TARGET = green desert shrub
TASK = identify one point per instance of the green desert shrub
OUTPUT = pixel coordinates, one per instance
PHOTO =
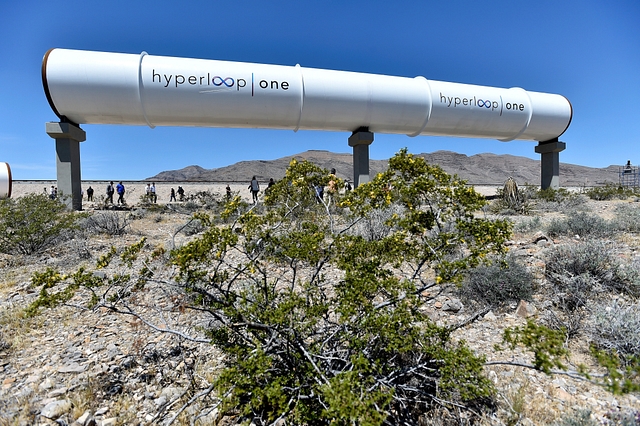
(34, 223)
(610, 192)
(498, 283)
(582, 224)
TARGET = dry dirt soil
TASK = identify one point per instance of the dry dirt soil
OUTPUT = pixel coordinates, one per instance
(71, 364)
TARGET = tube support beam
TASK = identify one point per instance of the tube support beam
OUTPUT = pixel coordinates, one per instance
(550, 162)
(360, 141)
(68, 138)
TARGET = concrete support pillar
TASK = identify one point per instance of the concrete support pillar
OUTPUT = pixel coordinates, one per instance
(68, 137)
(360, 141)
(550, 163)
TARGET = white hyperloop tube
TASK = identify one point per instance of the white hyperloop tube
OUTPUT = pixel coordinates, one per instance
(5, 181)
(87, 87)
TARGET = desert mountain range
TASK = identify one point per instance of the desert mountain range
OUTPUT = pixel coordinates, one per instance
(479, 169)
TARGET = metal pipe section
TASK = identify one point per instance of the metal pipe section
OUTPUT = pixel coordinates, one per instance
(5, 181)
(117, 88)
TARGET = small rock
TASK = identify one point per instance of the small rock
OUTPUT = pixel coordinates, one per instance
(490, 316)
(34, 378)
(452, 305)
(538, 237)
(47, 384)
(525, 309)
(543, 243)
(57, 392)
(74, 367)
(85, 419)
(102, 411)
(55, 409)
(493, 376)
(171, 392)
(563, 394)
(109, 422)
(113, 351)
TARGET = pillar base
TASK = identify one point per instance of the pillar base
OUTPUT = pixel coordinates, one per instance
(360, 141)
(550, 162)
(68, 138)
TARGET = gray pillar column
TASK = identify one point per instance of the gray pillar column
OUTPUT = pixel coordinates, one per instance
(68, 137)
(550, 163)
(360, 141)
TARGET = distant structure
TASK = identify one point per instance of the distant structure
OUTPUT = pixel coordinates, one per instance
(629, 175)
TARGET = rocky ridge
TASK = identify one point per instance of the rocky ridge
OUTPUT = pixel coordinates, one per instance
(479, 169)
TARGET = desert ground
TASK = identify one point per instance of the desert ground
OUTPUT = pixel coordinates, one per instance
(136, 189)
(76, 366)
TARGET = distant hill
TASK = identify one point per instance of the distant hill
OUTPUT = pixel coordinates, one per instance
(479, 169)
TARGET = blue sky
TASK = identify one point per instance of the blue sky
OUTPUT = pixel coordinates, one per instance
(588, 51)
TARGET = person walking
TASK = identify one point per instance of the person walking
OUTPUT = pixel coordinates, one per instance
(228, 189)
(254, 187)
(152, 193)
(120, 189)
(90, 194)
(110, 192)
(173, 195)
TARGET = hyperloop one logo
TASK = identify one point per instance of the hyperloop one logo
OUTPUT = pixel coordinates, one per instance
(485, 104)
(212, 83)
(228, 81)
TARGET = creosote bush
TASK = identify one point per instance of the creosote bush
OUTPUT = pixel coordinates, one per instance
(610, 192)
(34, 223)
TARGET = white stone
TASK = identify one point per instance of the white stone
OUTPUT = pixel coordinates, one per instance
(55, 409)
(82, 420)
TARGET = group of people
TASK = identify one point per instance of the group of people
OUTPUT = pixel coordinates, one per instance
(53, 192)
(318, 188)
(151, 192)
(254, 188)
(111, 190)
(172, 196)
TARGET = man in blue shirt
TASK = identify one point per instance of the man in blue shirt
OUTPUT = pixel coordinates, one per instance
(120, 191)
